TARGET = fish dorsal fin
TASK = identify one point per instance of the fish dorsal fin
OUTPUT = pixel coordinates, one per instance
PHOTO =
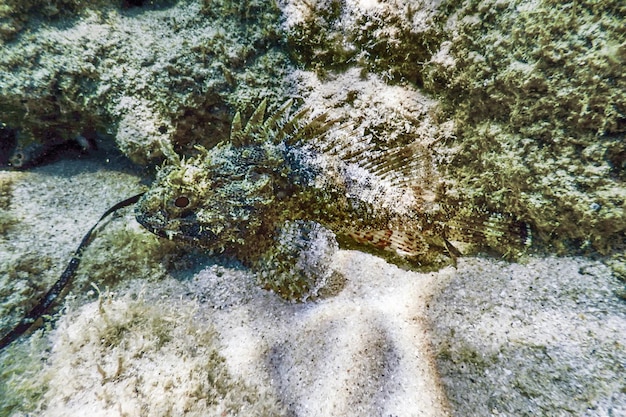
(291, 126)
(277, 120)
(312, 130)
(405, 166)
(254, 130)
(280, 126)
(255, 123)
(236, 130)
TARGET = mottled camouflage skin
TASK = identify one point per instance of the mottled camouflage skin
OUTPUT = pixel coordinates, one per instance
(263, 195)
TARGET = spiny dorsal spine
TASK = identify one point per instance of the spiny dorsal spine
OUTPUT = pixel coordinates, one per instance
(281, 126)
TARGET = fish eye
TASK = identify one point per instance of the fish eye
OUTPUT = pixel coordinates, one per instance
(181, 202)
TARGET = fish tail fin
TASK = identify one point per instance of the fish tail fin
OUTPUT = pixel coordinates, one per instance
(499, 232)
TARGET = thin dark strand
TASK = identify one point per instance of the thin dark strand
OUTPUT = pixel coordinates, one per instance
(51, 296)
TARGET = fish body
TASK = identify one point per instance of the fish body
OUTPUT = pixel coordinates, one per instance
(283, 184)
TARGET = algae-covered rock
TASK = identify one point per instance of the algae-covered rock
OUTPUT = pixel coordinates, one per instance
(174, 68)
(390, 38)
(538, 94)
(535, 92)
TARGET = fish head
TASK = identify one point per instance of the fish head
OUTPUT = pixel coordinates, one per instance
(213, 200)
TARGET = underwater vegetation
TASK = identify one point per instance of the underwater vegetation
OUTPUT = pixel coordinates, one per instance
(119, 354)
(538, 95)
(144, 73)
(51, 296)
(21, 384)
(6, 218)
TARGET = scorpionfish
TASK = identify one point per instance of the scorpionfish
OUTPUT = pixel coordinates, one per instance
(284, 192)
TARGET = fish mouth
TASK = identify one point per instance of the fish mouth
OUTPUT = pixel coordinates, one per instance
(156, 223)
(185, 229)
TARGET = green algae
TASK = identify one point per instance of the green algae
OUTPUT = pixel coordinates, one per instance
(122, 251)
(143, 74)
(538, 95)
(7, 219)
(383, 40)
(22, 386)
(23, 278)
(130, 342)
(119, 350)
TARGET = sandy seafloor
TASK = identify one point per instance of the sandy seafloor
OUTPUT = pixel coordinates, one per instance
(187, 334)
